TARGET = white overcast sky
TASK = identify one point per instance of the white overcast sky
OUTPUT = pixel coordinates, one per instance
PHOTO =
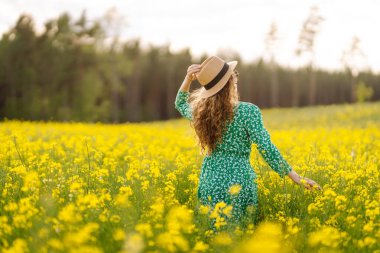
(210, 25)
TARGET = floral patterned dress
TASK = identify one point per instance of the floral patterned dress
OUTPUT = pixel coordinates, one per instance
(227, 175)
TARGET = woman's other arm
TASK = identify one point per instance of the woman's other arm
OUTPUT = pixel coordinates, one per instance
(260, 136)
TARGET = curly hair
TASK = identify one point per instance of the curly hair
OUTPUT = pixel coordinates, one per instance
(212, 115)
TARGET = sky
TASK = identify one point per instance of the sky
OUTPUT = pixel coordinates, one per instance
(209, 26)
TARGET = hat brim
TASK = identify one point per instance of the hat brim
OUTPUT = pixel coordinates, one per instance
(232, 64)
(208, 93)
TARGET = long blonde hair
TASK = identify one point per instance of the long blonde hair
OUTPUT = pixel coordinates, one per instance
(212, 115)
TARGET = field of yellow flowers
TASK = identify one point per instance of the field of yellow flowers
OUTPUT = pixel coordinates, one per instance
(75, 187)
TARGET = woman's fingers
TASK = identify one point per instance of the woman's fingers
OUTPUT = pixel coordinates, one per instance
(192, 73)
(312, 185)
(194, 70)
(194, 67)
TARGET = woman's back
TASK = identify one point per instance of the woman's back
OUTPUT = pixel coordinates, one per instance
(246, 128)
(235, 140)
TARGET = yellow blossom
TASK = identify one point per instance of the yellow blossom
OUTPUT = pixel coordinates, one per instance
(119, 234)
(144, 229)
(327, 236)
(200, 246)
(222, 238)
(235, 189)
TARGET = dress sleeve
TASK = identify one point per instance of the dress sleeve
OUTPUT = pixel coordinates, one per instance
(260, 136)
(182, 105)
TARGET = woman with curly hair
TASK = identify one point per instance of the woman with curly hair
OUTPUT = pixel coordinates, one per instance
(226, 129)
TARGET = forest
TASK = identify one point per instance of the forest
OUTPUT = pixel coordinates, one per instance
(72, 71)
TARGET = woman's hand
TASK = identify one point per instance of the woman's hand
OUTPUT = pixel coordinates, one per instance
(309, 184)
(304, 181)
(192, 70)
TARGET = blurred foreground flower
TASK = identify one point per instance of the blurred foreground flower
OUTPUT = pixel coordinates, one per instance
(134, 243)
(267, 238)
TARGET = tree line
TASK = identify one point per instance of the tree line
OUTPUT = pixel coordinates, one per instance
(72, 72)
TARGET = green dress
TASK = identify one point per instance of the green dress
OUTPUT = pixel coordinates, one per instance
(229, 164)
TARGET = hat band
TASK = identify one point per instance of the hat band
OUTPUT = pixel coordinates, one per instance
(217, 78)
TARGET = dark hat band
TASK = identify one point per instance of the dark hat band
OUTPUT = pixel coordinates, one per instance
(218, 77)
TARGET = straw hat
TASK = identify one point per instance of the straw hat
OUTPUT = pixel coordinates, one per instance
(214, 75)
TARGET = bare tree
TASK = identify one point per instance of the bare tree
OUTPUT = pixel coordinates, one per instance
(271, 41)
(132, 80)
(113, 23)
(306, 46)
(351, 59)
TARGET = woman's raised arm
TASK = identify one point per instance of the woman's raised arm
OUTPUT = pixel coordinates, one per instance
(181, 103)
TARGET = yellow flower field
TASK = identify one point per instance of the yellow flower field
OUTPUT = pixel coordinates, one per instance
(76, 187)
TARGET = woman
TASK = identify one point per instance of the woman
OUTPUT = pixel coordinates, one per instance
(226, 129)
